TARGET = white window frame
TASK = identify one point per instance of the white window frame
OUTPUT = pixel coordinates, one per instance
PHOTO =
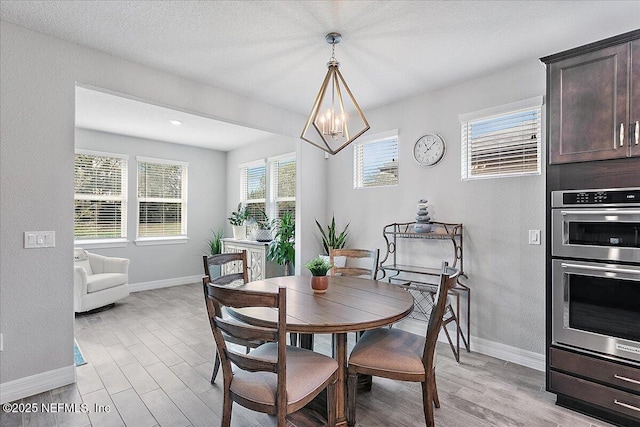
(164, 240)
(243, 183)
(530, 104)
(358, 178)
(273, 184)
(112, 241)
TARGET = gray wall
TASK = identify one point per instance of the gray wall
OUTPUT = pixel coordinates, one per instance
(505, 273)
(38, 75)
(205, 204)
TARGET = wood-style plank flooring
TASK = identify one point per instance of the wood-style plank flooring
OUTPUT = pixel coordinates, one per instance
(150, 359)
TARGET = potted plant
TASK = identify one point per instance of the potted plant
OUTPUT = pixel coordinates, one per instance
(214, 247)
(281, 249)
(318, 268)
(237, 219)
(333, 240)
(263, 233)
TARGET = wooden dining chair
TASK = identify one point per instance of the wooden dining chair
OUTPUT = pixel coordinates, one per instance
(236, 272)
(273, 378)
(401, 355)
(355, 255)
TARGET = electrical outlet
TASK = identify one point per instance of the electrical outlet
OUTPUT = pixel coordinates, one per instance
(534, 237)
(39, 239)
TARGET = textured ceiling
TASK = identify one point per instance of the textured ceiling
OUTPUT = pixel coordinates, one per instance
(275, 50)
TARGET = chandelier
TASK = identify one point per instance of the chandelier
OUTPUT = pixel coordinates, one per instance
(335, 120)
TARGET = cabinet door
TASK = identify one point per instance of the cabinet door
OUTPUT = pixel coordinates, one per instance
(256, 259)
(634, 114)
(588, 99)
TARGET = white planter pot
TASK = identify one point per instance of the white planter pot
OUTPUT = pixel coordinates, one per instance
(239, 232)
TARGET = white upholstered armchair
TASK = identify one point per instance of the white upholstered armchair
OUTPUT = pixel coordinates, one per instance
(98, 280)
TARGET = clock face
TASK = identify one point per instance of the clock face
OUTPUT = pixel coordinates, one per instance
(429, 149)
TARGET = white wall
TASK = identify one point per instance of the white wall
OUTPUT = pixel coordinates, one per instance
(38, 75)
(506, 275)
(205, 205)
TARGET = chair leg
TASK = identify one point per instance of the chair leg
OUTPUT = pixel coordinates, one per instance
(226, 409)
(216, 367)
(331, 404)
(427, 403)
(434, 390)
(352, 385)
(293, 338)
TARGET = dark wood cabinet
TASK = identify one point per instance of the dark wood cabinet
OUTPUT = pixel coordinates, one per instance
(611, 387)
(634, 109)
(593, 97)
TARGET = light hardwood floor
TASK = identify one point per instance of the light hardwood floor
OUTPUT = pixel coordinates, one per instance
(150, 359)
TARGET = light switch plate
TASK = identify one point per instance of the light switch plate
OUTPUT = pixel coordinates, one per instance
(534, 237)
(39, 239)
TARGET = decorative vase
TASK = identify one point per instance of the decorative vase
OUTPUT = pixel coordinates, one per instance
(319, 284)
(239, 232)
(264, 235)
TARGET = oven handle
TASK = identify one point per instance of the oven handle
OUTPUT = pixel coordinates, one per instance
(617, 212)
(598, 268)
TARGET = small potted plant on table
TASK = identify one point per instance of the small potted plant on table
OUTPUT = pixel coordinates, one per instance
(319, 280)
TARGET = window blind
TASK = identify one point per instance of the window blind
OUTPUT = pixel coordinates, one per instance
(284, 184)
(376, 163)
(100, 191)
(161, 199)
(254, 190)
(507, 144)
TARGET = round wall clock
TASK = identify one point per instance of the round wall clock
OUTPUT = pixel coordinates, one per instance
(429, 149)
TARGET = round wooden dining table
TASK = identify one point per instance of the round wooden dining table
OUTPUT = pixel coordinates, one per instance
(350, 304)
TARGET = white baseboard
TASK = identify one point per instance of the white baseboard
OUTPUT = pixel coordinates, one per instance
(34, 384)
(510, 354)
(165, 283)
(490, 348)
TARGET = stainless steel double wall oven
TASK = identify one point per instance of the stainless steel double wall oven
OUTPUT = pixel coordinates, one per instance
(595, 248)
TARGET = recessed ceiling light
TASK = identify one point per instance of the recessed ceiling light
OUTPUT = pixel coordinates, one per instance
(175, 122)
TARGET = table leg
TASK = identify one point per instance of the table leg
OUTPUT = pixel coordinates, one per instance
(340, 346)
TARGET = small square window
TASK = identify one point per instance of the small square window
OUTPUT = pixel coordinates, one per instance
(376, 162)
(506, 142)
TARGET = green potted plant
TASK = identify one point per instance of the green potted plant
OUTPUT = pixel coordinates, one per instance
(319, 267)
(214, 247)
(333, 240)
(237, 219)
(281, 249)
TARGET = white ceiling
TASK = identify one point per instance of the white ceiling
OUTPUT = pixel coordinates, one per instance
(275, 50)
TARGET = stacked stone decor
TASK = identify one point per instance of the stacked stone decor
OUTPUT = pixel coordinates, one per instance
(423, 220)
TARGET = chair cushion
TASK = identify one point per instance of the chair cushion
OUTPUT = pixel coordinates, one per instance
(102, 281)
(81, 259)
(392, 350)
(306, 371)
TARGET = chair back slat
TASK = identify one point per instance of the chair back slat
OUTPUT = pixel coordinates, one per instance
(448, 280)
(246, 332)
(251, 364)
(357, 254)
(232, 262)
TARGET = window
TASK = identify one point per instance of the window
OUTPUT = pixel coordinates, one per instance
(376, 161)
(100, 196)
(254, 189)
(283, 184)
(505, 141)
(269, 187)
(162, 198)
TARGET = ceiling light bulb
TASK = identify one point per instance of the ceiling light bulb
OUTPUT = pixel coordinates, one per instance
(175, 122)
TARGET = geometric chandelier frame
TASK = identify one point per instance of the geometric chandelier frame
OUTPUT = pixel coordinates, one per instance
(336, 119)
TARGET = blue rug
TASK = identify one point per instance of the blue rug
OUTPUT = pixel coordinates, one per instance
(77, 355)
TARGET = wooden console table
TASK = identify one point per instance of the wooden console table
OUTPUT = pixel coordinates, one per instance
(416, 278)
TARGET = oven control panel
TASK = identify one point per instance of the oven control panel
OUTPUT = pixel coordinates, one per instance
(609, 197)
